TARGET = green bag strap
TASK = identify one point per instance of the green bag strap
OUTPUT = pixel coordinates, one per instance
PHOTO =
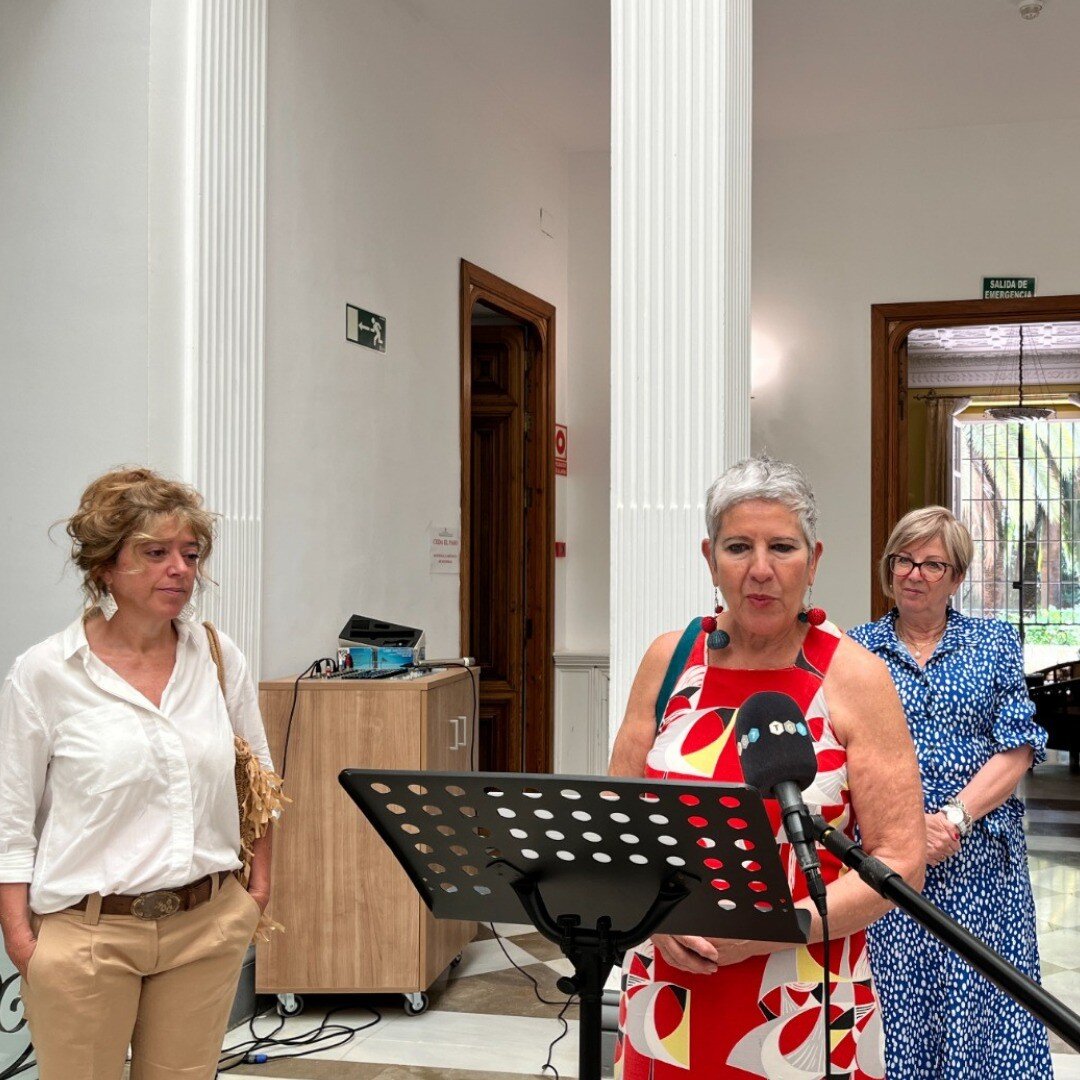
(675, 668)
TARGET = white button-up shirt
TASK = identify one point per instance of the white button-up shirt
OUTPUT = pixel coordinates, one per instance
(102, 791)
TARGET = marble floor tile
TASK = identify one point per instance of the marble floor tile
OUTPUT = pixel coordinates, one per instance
(505, 992)
(1066, 986)
(468, 1041)
(292, 1027)
(514, 929)
(360, 1070)
(481, 956)
(1066, 1067)
(1061, 947)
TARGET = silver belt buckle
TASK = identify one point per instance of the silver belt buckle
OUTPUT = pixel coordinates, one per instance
(156, 905)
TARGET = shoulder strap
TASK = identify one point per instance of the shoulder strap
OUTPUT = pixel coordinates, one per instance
(675, 667)
(215, 652)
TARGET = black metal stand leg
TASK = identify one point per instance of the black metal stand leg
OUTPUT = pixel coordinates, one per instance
(590, 974)
(593, 951)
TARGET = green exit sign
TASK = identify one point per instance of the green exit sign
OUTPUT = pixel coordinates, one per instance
(365, 328)
(1007, 288)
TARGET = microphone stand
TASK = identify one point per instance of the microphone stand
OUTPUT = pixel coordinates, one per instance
(885, 881)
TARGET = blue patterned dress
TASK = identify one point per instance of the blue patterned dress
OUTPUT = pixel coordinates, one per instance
(943, 1021)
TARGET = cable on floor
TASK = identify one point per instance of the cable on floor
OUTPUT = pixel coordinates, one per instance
(566, 1003)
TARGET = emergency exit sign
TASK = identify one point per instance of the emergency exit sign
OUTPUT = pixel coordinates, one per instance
(365, 328)
(1007, 288)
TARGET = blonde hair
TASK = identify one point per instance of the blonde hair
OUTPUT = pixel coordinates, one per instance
(920, 526)
(129, 504)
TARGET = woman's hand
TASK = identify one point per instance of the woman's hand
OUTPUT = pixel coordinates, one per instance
(736, 950)
(942, 839)
(19, 950)
(695, 954)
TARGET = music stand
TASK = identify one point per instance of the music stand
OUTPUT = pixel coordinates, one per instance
(597, 864)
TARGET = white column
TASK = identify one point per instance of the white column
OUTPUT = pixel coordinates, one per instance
(224, 376)
(680, 303)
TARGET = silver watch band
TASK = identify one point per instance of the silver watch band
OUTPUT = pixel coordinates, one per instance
(966, 821)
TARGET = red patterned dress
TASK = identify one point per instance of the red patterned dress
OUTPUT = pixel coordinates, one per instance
(761, 1017)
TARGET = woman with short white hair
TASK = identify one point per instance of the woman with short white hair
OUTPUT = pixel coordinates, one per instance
(695, 1007)
(961, 681)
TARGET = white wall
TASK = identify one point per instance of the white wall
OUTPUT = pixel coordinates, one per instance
(588, 407)
(74, 104)
(91, 112)
(845, 221)
(387, 162)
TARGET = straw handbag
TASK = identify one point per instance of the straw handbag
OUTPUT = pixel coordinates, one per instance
(259, 797)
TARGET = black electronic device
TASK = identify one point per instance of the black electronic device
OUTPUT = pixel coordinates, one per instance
(365, 630)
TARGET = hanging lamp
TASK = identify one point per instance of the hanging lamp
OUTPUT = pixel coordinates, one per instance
(1020, 411)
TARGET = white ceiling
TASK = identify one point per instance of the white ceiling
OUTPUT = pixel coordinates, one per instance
(977, 340)
(989, 355)
(551, 59)
(829, 66)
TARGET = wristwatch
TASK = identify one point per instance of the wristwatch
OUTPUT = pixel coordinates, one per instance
(956, 815)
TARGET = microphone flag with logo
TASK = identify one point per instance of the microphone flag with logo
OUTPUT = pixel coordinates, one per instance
(777, 757)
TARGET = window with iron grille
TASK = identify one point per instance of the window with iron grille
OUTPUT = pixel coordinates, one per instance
(1016, 486)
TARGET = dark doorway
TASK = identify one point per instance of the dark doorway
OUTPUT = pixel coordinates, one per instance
(508, 514)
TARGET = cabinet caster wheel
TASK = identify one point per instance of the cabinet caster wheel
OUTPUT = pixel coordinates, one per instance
(415, 1004)
(454, 963)
(289, 1005)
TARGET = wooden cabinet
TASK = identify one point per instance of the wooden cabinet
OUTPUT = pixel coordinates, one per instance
(353, 921)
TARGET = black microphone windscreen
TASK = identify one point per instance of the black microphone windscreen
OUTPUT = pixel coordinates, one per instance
(774, 742)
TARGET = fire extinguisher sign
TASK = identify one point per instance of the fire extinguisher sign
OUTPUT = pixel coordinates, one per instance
(560, 449)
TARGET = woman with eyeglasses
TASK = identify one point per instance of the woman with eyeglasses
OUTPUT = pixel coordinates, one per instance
(961, 682)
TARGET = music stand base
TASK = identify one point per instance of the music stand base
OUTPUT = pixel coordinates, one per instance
(593, 951)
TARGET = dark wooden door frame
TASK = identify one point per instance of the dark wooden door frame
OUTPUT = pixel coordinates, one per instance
(890, 325)
(479, 284)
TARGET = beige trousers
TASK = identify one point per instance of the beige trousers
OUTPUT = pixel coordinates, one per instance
(99, 982)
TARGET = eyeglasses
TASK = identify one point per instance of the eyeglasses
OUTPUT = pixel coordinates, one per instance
(932, 570)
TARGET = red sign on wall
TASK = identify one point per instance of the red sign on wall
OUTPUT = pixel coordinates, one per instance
(560, 449)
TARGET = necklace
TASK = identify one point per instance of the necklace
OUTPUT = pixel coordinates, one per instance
(917, 647)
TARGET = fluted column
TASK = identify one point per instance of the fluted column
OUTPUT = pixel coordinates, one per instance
(224, 377)
(680, 396)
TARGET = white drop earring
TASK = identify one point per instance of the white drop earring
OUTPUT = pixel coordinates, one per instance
(189, 612)
(107, 605)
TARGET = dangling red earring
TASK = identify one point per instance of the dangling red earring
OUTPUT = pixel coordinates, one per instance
(815, 616)
(717, 639)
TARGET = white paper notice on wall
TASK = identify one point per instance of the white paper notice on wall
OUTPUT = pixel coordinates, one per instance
(445, 549)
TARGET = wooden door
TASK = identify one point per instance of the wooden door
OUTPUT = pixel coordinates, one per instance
(497, 562)
(508, 418)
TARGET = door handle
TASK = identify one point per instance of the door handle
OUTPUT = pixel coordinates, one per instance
(462, 740)
(452, 720)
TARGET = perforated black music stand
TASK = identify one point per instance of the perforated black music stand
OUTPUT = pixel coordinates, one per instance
(614, 860)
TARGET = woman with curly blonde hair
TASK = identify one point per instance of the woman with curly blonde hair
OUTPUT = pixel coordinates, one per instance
(119, 831)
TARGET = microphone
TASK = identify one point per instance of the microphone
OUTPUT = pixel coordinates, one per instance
(778, 759)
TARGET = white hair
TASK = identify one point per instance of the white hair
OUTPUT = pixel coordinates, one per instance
(766, 478)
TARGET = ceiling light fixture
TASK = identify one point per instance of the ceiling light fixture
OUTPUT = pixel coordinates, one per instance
(1020, 411)
(1031, 9)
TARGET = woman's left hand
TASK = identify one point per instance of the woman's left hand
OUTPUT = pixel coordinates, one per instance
(733, 950)
(942, 839)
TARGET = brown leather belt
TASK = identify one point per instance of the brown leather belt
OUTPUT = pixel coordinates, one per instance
(158, 904)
